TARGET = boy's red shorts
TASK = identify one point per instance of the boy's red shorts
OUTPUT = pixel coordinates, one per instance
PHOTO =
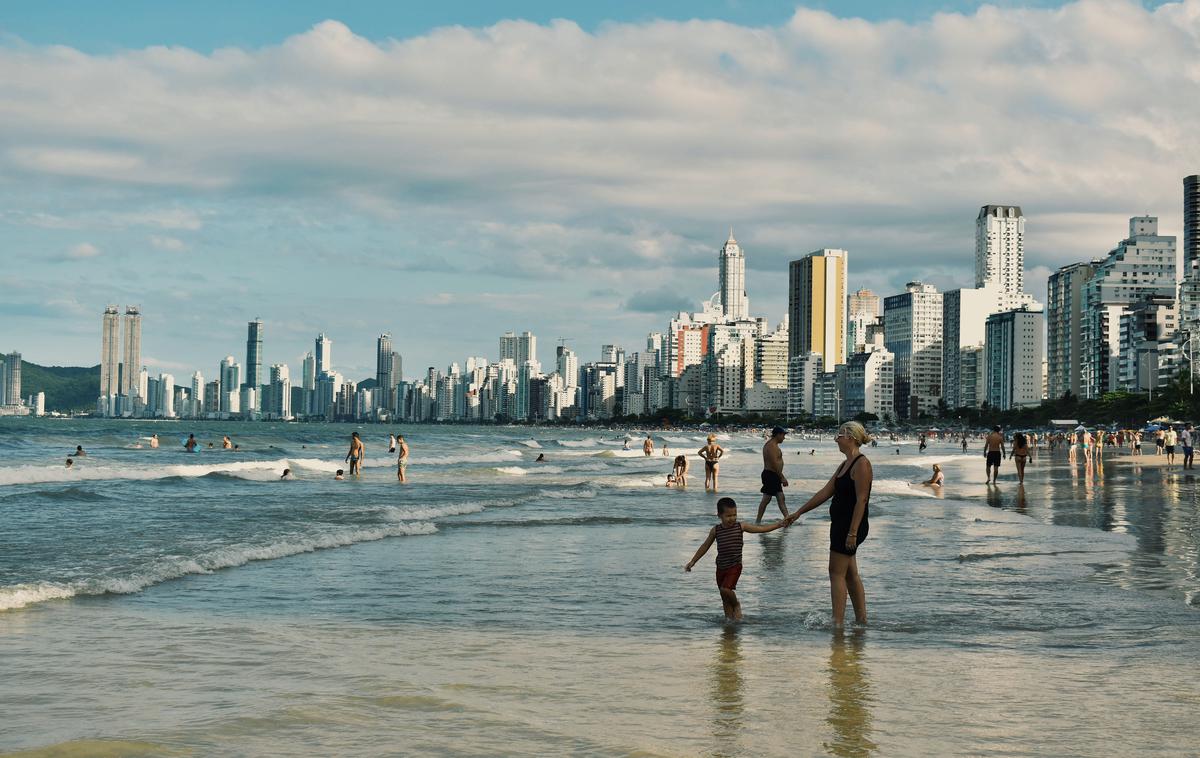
(727, 578)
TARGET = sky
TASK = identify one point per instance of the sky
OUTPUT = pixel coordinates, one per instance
(448, 173)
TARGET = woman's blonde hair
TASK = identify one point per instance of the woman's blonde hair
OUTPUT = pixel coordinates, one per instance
(712, 438)
(937, 467)
(855, 431)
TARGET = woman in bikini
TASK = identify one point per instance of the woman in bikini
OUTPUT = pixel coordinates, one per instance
(1020, 454)
(711, 453)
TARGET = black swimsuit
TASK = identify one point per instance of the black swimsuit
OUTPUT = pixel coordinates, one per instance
(841, 512)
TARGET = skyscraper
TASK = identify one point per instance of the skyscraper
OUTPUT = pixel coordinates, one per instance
(1014, 359)
(230, 373)
(816, 313)
(1191, 226)
(12, 378)
(1142, 265)
(912, 323)
(308, 372)
(131, 362)
(732, 277)
(862, 309)
(518, 348)
(110, 354)
(324, 347)
(254, 377)
(1000, 253)
(384, 381)
(1064, 328)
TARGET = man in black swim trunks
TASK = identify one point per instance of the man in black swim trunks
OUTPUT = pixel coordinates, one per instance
(994, 451)
(773, 480)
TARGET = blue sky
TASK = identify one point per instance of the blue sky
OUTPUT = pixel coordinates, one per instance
(366, 167)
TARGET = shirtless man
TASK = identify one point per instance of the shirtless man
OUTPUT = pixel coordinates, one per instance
(191, 443)
(226, 443)
(648, 446)
(356, 454)
(993, 450)
(711, 453)
(773, 479)
(402, 459)
(153, 440)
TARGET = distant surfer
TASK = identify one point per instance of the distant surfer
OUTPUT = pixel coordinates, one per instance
(711, 453)
(356, 454)
(190, 445)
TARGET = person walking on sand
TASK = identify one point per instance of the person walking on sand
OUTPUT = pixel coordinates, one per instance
(1020, 454)
(1137, 443)
(964, 444)
(993, 451)
(711, 453)
(648, 446)
(402, 459)
(773, 480)
(1170, 437)
(356, 454)
(1185, 439)
(850, 492)
(728, 536)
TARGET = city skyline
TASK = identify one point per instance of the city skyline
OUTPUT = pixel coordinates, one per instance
(566, 206)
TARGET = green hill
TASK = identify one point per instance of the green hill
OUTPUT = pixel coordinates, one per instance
(67, 388)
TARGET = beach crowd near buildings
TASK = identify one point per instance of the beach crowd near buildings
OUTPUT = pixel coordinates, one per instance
(1125, 321)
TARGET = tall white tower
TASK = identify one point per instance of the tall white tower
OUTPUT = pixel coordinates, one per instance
(1000, 253)
(324, 350)
(110, 355)
(732, 265)
(132, 360)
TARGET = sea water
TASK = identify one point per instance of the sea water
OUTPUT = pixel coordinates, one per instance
(154, 602)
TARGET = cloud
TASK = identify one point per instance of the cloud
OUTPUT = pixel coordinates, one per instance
(167, 243)
(83, 250)
(575, 161)
(662, 300)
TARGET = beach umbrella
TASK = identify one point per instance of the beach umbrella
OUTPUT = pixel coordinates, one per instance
(1080, 428)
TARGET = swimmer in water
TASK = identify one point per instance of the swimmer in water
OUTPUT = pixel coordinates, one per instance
(79, 453)
(153, 440)
(190, 445)
(287, 474)
(70, 462)
(226, 443)
(339, 475)
(541, 458)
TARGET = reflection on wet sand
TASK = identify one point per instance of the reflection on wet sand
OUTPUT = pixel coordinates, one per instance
(850, 697)
(772, 545)
(728, 693)
(993, 496)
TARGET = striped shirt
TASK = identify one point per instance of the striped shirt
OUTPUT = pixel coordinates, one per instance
(729, 545)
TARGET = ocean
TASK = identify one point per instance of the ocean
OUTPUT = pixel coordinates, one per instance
(154, 602)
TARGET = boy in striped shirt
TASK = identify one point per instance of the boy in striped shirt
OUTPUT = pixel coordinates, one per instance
(728, 536)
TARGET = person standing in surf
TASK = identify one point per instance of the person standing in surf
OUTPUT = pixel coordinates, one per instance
(356, 454)
(850, 491)
(191, 443)
(711, 453)
(648, 446)
(773, 480)
(401, 459)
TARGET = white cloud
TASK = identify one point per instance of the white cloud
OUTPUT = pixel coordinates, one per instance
(167, 243)
(83, 250)
(616, 159)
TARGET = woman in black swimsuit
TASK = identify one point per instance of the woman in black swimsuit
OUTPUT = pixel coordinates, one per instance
(850, 489)
(1020, 454)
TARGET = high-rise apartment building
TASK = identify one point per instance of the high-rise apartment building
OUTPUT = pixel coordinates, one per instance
(254, 374)
(384, 380)
(10, 380)
(131, 360)
(110, 358)
(197, 399)
(964, 315)
(863, 307)
(323, 350)
(518, 347)
(771, 358)
(1191, 226)
(231, 381)
(1000, 253)
(1014, 359)
(1064, 328)
(912, 323)
(731, 263)
(869, 385)
(816, 314)
(1149, 356)
(1143, 265)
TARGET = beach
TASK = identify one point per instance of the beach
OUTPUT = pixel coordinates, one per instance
(156, 603)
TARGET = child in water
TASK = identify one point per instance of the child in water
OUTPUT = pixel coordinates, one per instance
(728, 536)
(340, 475)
